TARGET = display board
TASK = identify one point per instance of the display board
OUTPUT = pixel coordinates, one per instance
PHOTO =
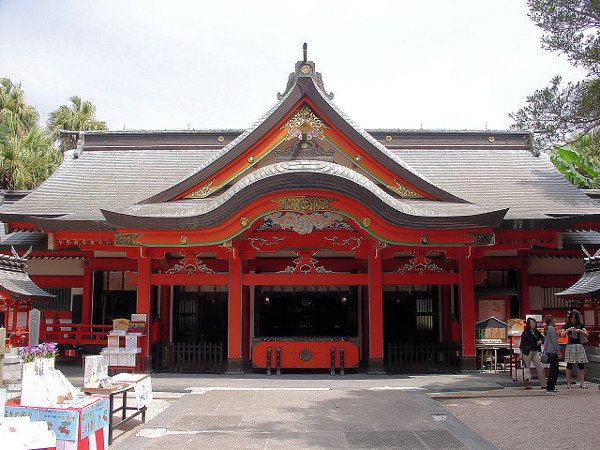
(489, 307)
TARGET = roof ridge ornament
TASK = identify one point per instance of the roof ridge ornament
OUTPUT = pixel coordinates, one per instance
(305, 69)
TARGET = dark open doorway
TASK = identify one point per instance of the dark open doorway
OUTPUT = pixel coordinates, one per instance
(411, 315)
(301, 312)
(199, 315)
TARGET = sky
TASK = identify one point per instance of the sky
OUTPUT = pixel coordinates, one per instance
(436, 64)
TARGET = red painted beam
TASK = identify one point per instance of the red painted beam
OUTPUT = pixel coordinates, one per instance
(54, 281)
(421, 278)
(288, 279)
(182, 279)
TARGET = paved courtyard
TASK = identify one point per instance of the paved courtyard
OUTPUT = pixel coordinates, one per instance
(517, 419)
(280, 418)
(470, 410)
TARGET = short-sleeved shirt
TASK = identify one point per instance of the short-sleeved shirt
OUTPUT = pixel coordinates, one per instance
(573, 337)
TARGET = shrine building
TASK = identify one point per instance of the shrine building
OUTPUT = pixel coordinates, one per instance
(303, 239)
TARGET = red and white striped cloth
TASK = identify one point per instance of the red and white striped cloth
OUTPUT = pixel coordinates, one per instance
(98, 440)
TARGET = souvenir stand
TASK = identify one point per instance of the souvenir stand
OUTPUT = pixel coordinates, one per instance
(97, 382)
(131, 333)
(490, 337)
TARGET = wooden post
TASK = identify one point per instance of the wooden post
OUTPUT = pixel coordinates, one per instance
(234, 341)
(2, 351)
(524, 290)
(467, 310)
(375, 365)
(144, 292)
(88, 294)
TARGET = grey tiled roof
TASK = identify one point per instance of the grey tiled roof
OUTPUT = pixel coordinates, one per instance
(310, 174)
(588, 284)
(107, 179)
(15, 281)
(527, 184)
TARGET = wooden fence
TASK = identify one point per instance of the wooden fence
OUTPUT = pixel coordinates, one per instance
(422, 357)
(188, 357)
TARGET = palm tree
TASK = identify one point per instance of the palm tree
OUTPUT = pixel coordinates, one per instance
(15, 115)
(27, 153)
(78, 116)
(28, 160)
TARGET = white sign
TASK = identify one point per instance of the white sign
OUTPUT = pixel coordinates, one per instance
(34, 327)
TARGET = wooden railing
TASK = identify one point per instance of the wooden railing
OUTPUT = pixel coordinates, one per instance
(422, 357)
(187, 357)
(74, 334)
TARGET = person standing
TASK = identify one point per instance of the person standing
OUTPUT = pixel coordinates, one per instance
(553, 351)
(575, 352)
(531, 350)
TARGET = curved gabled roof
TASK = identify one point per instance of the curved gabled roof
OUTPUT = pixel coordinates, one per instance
(305, 83)
(298, 175)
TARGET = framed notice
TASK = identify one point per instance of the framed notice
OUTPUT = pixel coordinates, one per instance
(492, 307)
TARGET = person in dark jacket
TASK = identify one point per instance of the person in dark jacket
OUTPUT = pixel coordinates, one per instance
(531, 350)
(553, 351)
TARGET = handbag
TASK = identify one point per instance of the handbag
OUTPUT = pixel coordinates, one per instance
(583, 338)
(544, 357)
(521, 374)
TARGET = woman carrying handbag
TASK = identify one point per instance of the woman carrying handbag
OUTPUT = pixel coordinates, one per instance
(530, 346)
(552, 353)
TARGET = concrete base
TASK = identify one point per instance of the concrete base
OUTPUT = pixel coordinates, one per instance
(468, 362)
(235, 366)
(376, 366)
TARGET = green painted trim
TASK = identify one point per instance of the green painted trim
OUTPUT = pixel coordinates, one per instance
(354, 162)
(241, 171)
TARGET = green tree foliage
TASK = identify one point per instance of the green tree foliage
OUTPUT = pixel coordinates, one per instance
(27, 153)
(572, 162)
(80, 115)
(562, 113)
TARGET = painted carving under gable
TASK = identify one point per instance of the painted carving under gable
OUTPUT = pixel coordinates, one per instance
(190, 264)
(305, 263)
(420, 264)
(304, 223)
(304, 122)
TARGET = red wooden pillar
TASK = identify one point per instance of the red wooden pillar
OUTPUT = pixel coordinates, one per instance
(246, 323)
(165, 313)
(376, 364)
(524, 290)
(234, 341)
(144, 293)
(88, 294)
(445, 313)
(467, 310)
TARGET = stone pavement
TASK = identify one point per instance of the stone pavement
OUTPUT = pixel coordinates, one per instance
(517, 419)
(289, 412)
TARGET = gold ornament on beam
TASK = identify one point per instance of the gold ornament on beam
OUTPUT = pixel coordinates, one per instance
(304, 115)
(127, 239)
(203, 191)
(402, 191)
(304, 203)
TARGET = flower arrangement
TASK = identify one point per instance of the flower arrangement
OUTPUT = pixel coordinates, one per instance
(45, 350)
